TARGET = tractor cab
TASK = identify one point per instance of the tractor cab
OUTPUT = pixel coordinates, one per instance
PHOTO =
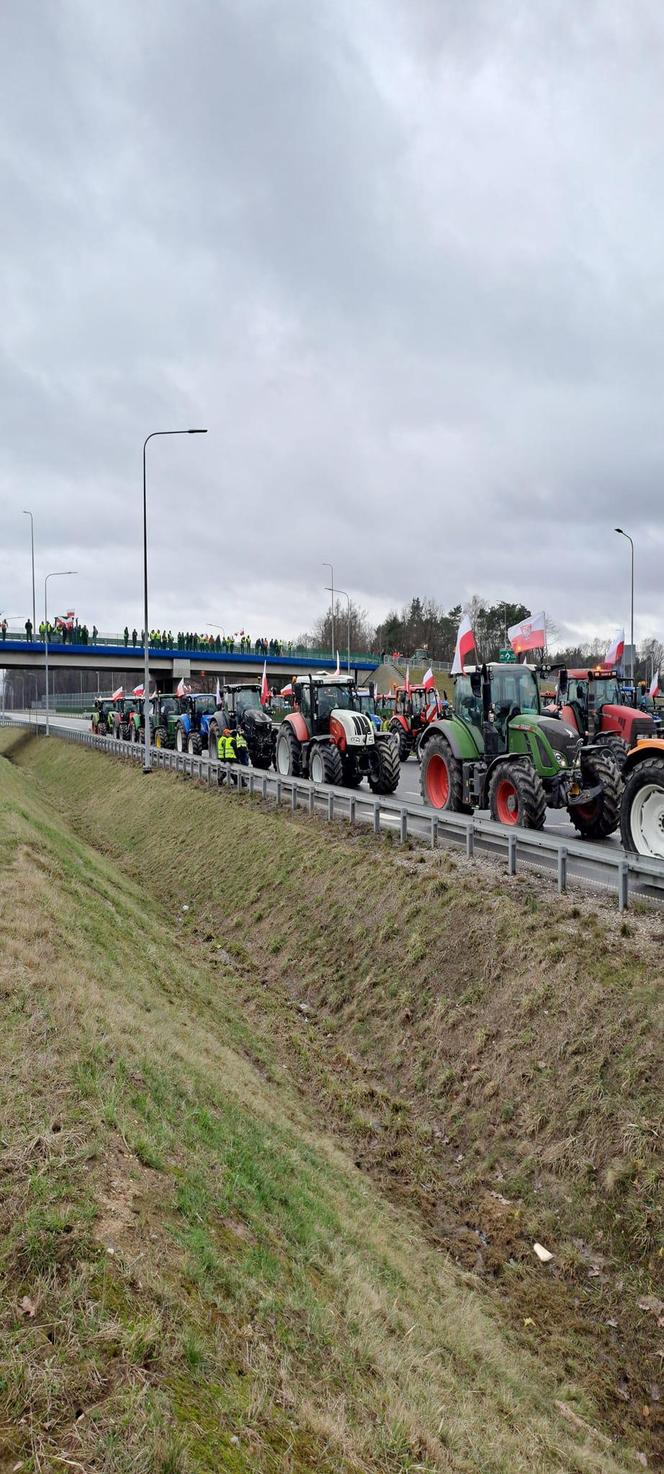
(243, 711)
(365, 701)
(594, 703)
(317, 698)
(490, 698)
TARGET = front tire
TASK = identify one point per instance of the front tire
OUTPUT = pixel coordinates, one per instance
(180, 739)
(160, 737)
(517, 797)
(325, 764)
(441, 777)
(384, 778)
(288, 753)
(601, 817)
(614, 746)
(642, 809)
(405, 741)
(194, 745)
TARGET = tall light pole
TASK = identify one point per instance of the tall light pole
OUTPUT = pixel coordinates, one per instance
(32, 550)
(329, 565)
(631, 633)
(63, 573)
(346, 596)
(146, 629)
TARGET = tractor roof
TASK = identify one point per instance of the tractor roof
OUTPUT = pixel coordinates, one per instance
(585, 671)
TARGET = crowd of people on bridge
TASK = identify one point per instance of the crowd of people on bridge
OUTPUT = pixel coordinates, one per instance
(186, 640)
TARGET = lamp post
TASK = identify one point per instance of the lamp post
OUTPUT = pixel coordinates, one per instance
(631, 633)
(32, 550)
(61, 573)
(329, 565)
(146, 628)
(346, 596)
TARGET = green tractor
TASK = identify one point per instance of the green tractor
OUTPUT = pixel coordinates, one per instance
(498, 751)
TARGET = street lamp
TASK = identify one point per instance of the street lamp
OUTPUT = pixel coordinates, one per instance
(32, 549)
(329, 565)
(146, 638)
(631, 543)
(346, 596)
(63, 573)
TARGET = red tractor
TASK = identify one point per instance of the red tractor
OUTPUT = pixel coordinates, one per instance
(414, 708)
(590, 701)
(328, 738)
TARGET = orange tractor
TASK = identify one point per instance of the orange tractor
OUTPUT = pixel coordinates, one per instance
(414, 708)
(642, 806)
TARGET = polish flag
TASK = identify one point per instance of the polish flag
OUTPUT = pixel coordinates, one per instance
(465, 643)
(338, 669)
(140, 691)
(217, 693)
(428, 680)
(530, 634)
(408, 680)
(265, 690)
(287, 690)
(117, 695)
(182, 689)
(654, 684)
(615, 651)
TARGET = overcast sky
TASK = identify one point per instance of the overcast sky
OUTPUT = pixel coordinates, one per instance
(403, 258)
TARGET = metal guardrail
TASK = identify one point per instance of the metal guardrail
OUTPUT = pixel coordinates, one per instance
(410, 820)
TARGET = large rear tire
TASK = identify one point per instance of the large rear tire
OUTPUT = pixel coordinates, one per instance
(441, 777)
(405, 740)
(601, 816)
(160, 738)
(194, 745)
(517, 796)
(642, 809)
(384, 778)
(180, 739)
(288, 752)
(325, 764)
(615, 746)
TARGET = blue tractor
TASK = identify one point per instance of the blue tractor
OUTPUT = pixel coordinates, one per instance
(192, 723)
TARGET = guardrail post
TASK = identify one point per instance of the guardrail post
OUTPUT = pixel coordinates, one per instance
(330, 805)
(511, 854)
(403, 825)
(293, 798)
(470, 841)
(264, 785)
(352, 805)
(312, 800)
(278, 791)
(251, 781)
(376, 819)
(562, 869)
(434, 831)
(623, 885)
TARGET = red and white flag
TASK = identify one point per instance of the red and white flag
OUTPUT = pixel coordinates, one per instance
(182, 689)
(287, 690)
(408, 680)
(530, 634)
(615, 651)
(428, 680)
(117, 695)
(140, 691)
(265, 690)
(654, 684)
(465, 643)
(217, 693)
(338, 669)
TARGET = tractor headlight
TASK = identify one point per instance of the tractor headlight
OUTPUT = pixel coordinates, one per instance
(561, 759)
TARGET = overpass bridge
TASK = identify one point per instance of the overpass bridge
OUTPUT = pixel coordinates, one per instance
(168, 666)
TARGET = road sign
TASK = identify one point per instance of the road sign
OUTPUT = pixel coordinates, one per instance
(507, 657)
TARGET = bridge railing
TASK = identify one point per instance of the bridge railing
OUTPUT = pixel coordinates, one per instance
(106, 642)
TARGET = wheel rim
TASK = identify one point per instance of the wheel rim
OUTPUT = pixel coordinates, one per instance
(317, 768)
(178, 740)
(507, 802)
(283, 757)
(647, 820)
(190, 747)
(157, 740)
(438, 781)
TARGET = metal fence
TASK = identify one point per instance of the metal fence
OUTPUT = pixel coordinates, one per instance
(407, 820)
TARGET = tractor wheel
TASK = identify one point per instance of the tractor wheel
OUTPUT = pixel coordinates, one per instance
(517, 796)
(160, 738)
(180, 739)
(124, 731)
(441, 777)
(405, 740)
(352, 777)
(642, 810)
(288, 753)
(384, 778)
(325, 764)
(194, 745)
(601, 816)
(614, 746)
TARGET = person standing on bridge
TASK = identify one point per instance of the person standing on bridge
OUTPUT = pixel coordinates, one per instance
(95, 632)
(134, 636)
(28, 630)
(3, 627)
(126, 635)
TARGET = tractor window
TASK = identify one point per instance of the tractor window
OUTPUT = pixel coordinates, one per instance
(331, 696)
(607, 691)
(419, 700)
(467, 705)
(513, 686)
(247, 701)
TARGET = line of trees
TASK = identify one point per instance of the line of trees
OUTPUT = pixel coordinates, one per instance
(422, 625)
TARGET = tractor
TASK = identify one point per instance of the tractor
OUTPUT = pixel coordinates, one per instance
(498, 751)
(165, 716)
(327, 738)
(189, 725)
(99, 720)
(241, 710)
(591, 702)
(414, 708)
(366, 702)
(642, 808)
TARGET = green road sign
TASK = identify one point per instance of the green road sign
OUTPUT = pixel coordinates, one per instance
(507, 657)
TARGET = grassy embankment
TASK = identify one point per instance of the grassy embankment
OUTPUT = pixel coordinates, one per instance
(260, 1288)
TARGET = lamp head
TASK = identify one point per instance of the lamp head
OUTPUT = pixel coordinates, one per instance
(197, 432)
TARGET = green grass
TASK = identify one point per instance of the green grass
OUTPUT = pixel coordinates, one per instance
(266, 1306)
